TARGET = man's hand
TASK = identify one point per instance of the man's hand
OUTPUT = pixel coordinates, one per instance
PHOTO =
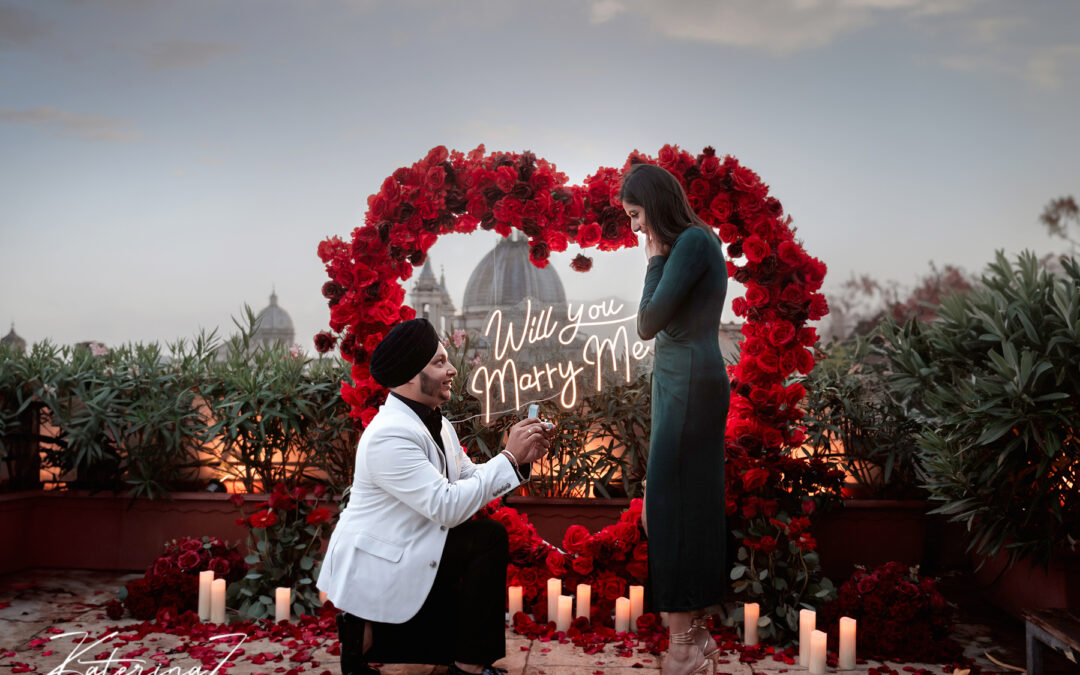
(528, 441)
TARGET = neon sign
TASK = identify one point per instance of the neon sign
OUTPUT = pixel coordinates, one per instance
(543, 329)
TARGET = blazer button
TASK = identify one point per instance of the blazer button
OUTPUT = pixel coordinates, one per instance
(442, 527)
(432, 563)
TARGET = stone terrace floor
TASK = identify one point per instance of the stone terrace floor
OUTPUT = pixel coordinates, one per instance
(38, 604)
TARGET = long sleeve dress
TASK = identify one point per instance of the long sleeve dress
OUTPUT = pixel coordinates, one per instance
(680, 306)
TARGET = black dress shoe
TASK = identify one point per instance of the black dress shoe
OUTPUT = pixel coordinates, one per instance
(351, 635)
(488, 670)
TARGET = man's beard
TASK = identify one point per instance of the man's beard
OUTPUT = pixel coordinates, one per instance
(430, 386)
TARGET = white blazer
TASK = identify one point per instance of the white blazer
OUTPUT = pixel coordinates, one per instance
(384, 552)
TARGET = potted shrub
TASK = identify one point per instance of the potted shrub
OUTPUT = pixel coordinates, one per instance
(995, 381)
(854, 418)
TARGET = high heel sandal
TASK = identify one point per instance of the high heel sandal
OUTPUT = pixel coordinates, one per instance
(708, 646)
(707, 665)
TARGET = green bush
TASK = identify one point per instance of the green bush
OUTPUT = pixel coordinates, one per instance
(853, 417)
(996, 385)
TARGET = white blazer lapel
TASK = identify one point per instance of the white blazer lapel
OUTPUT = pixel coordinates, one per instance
(453, 469)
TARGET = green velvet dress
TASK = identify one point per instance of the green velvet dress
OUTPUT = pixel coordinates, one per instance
(680, 306)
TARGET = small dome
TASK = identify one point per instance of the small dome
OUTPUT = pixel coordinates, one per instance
(506, 277)
(273, 324)
(13, 340)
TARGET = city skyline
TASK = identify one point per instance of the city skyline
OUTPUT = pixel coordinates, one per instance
(165, 163)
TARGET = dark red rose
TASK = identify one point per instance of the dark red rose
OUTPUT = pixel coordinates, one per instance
(529, 577)
(756, 296)
(319, 491)
(754, 478)
(539, 252)
(767, 544)
(221, 567)
(638, 568)
(818, 306)
(866, 584)
(114, 610)
(236, 499)
(188, 560)
(790, 253)
(581, 263)
(324, 342)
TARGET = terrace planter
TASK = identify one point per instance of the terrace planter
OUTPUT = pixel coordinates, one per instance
(871, 532)
(552, 515)
(106, 532)
(1026, 585)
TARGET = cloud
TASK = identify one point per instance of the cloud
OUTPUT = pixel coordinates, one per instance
(174, 54)
(19, 27)
(1044, 67)
(72, 125)
(779, 26)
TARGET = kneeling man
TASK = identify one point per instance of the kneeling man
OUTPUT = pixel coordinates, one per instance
(416, 579)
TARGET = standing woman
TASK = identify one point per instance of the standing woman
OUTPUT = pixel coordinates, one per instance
(685, 286)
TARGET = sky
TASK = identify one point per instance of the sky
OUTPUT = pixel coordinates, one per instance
(162, 163)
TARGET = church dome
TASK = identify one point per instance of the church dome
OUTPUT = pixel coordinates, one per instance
(506, 277)
(13, 340)
(273, 324)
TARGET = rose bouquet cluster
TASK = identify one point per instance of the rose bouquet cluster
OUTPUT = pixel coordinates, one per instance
(451, 191)
(609, 561)
(901, 616)
(284, 537)
(171, 584)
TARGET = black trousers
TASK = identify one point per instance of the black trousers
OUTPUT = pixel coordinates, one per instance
(462, 618)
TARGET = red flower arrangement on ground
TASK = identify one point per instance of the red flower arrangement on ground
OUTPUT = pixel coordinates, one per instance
(171, 584)
(451, 191)
(902, 617)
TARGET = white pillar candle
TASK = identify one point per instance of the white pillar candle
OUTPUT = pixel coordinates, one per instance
(513, 604)
(807, 623)
(622, 615)
(846, 657)
(818, 640)
(205, 579)
(750, 618)
(322, 597)
(584, 601)
(566, 607)
(217, 601)
(554, 593)
(637, 605)
(281, 603)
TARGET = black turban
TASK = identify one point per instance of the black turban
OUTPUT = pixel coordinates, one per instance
(404, 352)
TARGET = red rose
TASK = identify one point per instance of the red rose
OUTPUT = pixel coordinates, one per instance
(114, 610)
(576, 539)
(505, 178)
(583, 565)
(781, 333)
(755, 248)
(556, 563)
(767, 544)
(757, 296)
(638, 568)
(609, 586)
(263, 519)
(805, 361)
(646, 622)
(818, 306)
(318, 515)
(435, 178)
(588, 235)
(738, 306)
(538, 253)
(789, 253)
(667, 156)
(237, 499)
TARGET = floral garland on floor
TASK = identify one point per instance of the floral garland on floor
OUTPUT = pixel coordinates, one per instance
(452, 191)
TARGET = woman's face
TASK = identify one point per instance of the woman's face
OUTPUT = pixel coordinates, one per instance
(638, 222)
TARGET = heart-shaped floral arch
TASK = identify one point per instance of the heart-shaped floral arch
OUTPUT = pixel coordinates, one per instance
(451, 191)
